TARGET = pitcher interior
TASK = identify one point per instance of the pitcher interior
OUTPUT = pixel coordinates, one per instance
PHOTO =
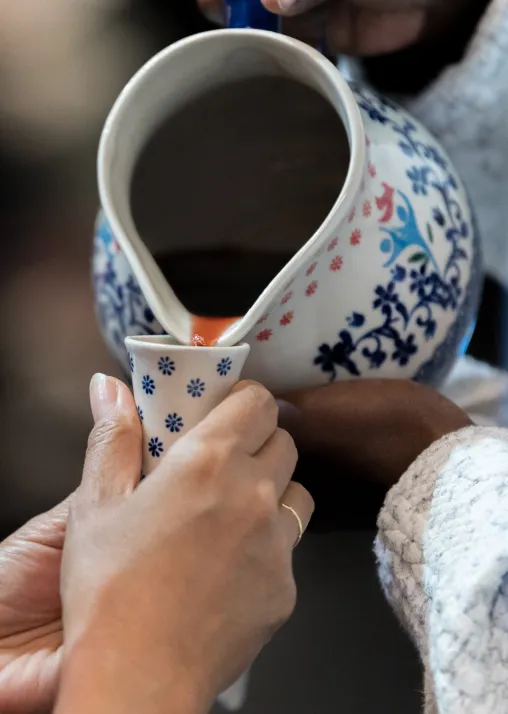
(233, 183)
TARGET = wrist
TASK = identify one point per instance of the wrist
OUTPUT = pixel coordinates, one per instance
(101, 674)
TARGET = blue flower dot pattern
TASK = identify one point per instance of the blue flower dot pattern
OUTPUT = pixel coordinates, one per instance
(224, 366)
(155, 447)
(166, 366)
(148, 384)
(131, 363)
(174, 423)
(140, 413)
(196, 388)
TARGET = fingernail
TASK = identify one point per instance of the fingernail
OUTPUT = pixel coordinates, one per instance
(103, 395)
(215, 16)
(295, 5)
(289, 417)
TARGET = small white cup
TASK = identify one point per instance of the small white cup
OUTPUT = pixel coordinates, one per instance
(176, 386)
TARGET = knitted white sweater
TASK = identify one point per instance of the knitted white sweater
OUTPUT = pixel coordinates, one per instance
(442, 545)
(442, 550)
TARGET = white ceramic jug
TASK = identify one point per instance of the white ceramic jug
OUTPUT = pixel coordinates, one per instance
(386, 286)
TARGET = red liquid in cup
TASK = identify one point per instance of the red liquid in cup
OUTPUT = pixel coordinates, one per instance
(207, 330)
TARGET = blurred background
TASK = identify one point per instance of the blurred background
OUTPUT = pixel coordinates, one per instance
(62, 64)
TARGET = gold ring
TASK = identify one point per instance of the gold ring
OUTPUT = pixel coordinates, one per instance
(298, 520)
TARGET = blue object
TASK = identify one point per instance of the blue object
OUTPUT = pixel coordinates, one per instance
(250, 14)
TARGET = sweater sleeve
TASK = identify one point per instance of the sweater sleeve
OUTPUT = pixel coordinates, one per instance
(442, 552)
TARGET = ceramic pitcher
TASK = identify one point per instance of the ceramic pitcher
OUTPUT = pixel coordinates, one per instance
(386, 286)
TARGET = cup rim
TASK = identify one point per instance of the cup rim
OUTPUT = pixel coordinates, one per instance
(338, 212)
(156, 342)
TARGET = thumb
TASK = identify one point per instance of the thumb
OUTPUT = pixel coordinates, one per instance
(113, 458)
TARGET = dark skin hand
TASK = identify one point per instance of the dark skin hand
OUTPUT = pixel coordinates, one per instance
(362, 27)
(370, 429)
(404, 44)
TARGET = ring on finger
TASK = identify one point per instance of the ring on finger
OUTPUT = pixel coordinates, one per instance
(298, 520)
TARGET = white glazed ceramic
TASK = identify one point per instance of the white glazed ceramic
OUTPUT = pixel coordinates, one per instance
(386, 287)
(176, 386)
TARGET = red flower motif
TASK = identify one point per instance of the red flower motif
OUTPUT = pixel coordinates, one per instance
(311, 288)
(333, 244)
(356, 237)
(336, 263)
(372, 170)
(385, 203)
(286, 318)
(261, 320)
(367, 209)
(286, 297)
(264, 335)
(352, 214)
(311, 269)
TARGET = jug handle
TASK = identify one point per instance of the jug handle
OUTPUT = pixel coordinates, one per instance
(251, 14)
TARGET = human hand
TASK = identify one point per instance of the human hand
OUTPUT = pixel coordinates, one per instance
(30, 614)
(362, 27)
(171, 587)
(372, 429)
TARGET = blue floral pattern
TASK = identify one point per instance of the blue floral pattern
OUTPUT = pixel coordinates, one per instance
(131, 363)
(395, 335)
(196, 388)
(155, 447)
(420, 179)
(174, 423)
(140, 413)
(406, 235)
(405, 308)
(120, 304)
(166, 366)
(224, 366)
(148, 384)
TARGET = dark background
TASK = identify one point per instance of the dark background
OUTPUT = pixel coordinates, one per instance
(343, 650)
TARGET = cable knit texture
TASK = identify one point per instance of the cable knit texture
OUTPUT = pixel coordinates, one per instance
(442, 551)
